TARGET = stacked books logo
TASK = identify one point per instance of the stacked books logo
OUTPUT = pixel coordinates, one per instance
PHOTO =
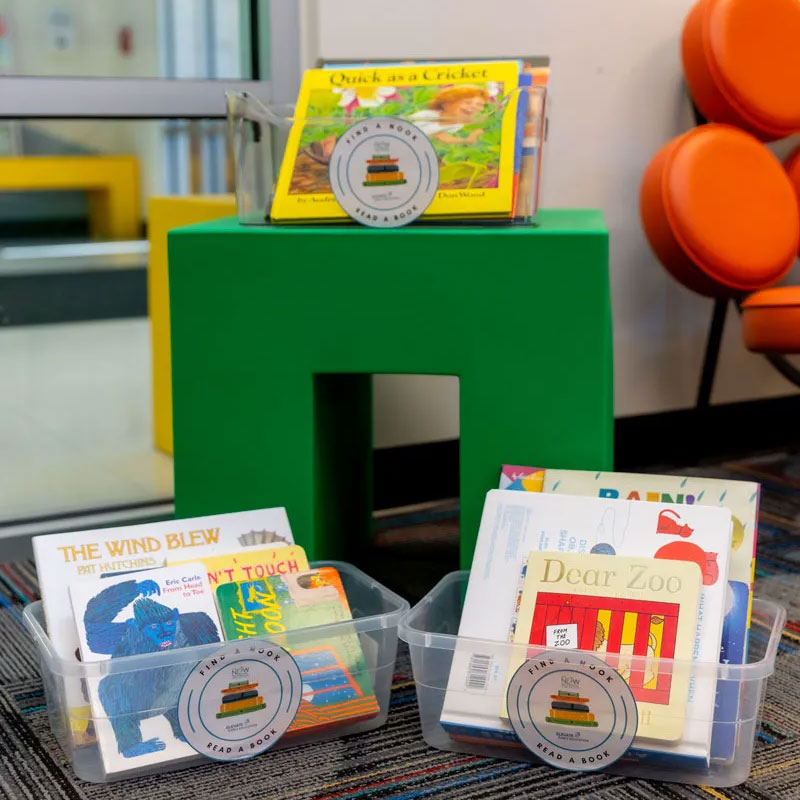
(382, 170)
(569, 708)
(240, 697)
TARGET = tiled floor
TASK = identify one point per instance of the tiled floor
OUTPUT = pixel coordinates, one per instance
(76, 420)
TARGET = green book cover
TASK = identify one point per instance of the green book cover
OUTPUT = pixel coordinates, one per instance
(337, 686)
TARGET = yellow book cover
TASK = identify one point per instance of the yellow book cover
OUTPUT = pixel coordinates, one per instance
(635, 611)
(250, 564)
(467, 110)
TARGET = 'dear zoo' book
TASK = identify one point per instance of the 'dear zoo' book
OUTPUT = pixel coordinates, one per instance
(154, 611)
(634, 610)
(467, 110)
(336, 684)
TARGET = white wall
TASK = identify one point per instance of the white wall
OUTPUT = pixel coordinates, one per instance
(89, 47)
(617, 95)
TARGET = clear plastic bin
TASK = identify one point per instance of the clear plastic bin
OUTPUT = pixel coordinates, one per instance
(376, 613)
(431, 629)
(258, 136)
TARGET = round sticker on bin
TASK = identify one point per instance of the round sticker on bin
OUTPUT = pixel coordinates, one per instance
(384, 172)
(239, 702)
(574, 712)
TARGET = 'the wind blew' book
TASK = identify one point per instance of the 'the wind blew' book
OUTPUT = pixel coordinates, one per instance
(514, 524)
(63, 559)
(337, 687)
(152, 612)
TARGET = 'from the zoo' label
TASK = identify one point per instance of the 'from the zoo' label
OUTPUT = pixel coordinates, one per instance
(572, 710)
(238, 702)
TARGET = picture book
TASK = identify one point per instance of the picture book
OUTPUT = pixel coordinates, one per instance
(135, 712)
(251, 563)
(66, 558)
(466, 109)
(741, 497)
(635, 611)
(526, 203)
(525, 84)
(336, 683)
(514, 524)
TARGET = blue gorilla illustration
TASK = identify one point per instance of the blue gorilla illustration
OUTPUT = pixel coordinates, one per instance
(128, 698)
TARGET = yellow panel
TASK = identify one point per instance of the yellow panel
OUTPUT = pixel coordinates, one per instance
(111, 181)
(629, 629)
(164, 214)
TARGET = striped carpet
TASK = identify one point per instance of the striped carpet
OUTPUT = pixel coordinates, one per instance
(394, 762)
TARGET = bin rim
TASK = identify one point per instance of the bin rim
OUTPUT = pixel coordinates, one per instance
(33, 619)
(767, 614)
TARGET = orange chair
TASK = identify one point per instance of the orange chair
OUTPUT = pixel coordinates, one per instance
(771, 317)
(741, 61)
(719, 210)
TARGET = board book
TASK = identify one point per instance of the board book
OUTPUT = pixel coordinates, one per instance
(63, 559)
(741, 497)
(252, 563)
(336, 683)
(514, 524)
(467, 110)
(631, 611)
(155, 611)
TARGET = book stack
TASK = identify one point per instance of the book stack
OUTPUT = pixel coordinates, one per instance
(382, 170)
(741, 497)
(483, 118)
(650, 573)
(240, 697)
(569, 708)
(66, 559)
(153, 588)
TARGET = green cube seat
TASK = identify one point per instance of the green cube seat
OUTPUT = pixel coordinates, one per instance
(276, 332)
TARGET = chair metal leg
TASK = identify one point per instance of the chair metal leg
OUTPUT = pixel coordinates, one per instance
(712, 352)
(781, 363)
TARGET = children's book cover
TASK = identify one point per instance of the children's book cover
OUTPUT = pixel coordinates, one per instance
(252, 563)
(467, 110)
(531, 145)
(514, 524)
(635, 610)
(135, 712)
(63, 559)
(336, 684)
(741, 497)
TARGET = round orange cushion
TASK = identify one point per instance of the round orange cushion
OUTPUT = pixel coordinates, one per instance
(741, 59)
(720, 212)
(771, 320)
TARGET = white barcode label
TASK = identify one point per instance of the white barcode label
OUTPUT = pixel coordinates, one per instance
(478, 671)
